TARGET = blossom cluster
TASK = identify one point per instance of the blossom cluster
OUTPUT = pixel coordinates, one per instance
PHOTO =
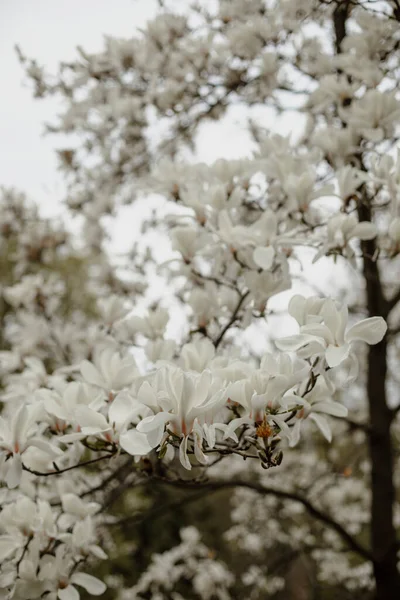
(91, 374)
(197, 405)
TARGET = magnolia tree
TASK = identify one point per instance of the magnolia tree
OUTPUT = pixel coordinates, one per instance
(109, 400)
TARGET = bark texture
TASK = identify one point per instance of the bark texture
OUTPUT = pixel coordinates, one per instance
(383, 534)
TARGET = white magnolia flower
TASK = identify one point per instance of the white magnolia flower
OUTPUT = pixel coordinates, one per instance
(205, 304)
(112, 309)
(75, 509)
(63, 406)
(121, 412)
(234, 236)
(301, 190)
(256, 393)
(197, 355)
(266, 284)
(16, 437)
(329, 337)
(186, 241)
(152, 325)
(82, 540)
(340, 230)
(68, 591)
(306, 310)
(374, 115)
(110, 372)
(184, 398)
(349, 180)
(158, 350)
(314, 406)
(264, 253)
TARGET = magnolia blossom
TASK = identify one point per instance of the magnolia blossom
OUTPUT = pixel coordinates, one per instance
(121, 412)
(113, 309)
(329, 339)
(374, 115)
(187, 401)
(66, 583)
(16, 437)
(109, 372)
(82, 539)
(314, 406)
(341, 230)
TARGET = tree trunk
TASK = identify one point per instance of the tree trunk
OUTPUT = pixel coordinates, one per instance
(383, 533)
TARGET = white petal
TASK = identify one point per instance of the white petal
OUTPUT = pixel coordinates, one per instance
(293, 343)
(98, 552)
(331, 317)
(336, 354)
(322, 425)
(296, 308)
(4, 430)
(91, 584)
(147, 395)
(135, 443)
(320, 331)
(45, 446)
(209, 432)
(331, 408)
(72, 437)
(154, 422)
(53, 407)
(264, 257)
(183, 457)
(374, 135)
(94, 430)
(170, 454)
(68, 593)
(295, 434)
(224, 223)
(202, 388)
(20, 423)
(91, 374)
(124, 376)
(351, 369)
(364, 231)
(369, 330)
(14, 472)
(120, 410)
(233, 425)
(198, 450)
(8, 545)
(73, 504)
(87, 417)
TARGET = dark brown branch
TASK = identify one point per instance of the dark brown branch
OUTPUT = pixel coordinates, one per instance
(231, 320)
(60, 471)
(315, 512)
(340, 15)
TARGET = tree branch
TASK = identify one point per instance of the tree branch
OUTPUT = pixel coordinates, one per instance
(60, 471)
(340, 15)
(231, 320)
(214, 485)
